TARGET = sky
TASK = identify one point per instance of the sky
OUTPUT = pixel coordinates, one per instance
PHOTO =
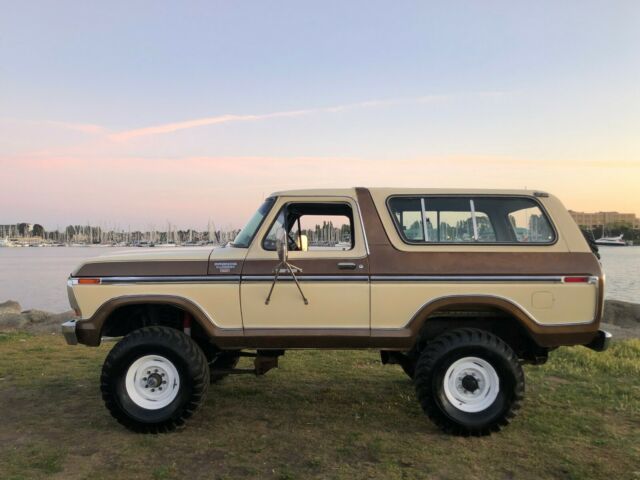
(139, 113)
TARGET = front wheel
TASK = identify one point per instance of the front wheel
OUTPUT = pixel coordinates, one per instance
(154, 379)
(469, 382)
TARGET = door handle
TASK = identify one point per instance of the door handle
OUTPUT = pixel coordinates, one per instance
(347, 266)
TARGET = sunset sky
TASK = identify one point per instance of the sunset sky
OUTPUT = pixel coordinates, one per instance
(139, 113)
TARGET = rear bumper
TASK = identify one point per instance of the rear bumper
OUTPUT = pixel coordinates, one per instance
(69, 332)
(601, 341)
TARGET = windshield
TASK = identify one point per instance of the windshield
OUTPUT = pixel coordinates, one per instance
(244, 238)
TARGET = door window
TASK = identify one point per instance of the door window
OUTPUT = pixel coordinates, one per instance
(316, 226)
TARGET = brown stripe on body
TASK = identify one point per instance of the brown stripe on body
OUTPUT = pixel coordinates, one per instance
(388, 261)
(143, 268)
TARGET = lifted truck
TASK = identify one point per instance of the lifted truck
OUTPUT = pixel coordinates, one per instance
(459, 287)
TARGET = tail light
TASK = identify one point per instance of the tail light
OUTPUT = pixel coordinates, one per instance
(580, 279)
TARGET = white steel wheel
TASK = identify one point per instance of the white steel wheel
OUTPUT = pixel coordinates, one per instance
(471, 384)
(152, 382)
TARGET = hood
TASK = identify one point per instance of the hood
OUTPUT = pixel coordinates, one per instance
(157, 262)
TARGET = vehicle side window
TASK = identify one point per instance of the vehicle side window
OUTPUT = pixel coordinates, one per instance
(407, 214)
(458, 227)
(326, 226)
(530, 225)
(464, 219)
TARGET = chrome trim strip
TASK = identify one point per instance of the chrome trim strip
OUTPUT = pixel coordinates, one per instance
(593, 280)
(172, 279)
(472, 205)
(307, 278)
(364, 232)
(425, 230)
(467, 278)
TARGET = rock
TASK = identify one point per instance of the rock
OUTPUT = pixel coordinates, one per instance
(622, 314)
(36, 316)
(12, 321)
(10, 306)
(35, 321)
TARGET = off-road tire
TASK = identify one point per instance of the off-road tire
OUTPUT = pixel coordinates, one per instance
(189, 362)
(441, 354)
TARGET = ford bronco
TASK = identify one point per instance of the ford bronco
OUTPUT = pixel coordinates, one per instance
(458, 287)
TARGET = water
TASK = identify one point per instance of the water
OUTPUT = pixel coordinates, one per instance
(37, 277)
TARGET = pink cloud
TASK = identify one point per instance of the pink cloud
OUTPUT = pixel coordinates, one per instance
(222, 119)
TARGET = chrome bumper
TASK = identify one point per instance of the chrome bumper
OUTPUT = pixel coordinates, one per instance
(601, 342)
(69, 332)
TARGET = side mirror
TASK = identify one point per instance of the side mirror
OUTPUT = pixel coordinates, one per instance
(303, 243)
(281, 244)
(282, 248)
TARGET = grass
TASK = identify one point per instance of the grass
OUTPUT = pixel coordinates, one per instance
(322, 414)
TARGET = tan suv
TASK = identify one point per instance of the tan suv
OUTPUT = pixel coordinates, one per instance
(459, 287)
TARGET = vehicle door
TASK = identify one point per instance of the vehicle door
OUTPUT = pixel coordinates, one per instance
(327, 244)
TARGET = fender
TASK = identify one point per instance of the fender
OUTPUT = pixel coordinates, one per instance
(543, 335)
(89, 331)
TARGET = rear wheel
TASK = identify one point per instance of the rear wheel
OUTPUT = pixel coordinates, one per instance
(469, 382)
(154, 379)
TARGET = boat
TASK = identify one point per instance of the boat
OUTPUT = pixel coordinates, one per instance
(5, 242)
(611, 241)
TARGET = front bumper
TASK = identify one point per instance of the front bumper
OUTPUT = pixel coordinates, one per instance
(69, 332)
(601, 341)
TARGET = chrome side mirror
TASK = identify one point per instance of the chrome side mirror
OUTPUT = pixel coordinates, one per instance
(282, 246)
(283, 266)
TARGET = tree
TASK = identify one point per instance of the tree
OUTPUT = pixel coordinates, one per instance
(70, 231)
(38, 230)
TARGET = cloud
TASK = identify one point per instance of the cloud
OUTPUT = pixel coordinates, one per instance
(223, 119)
(110, 136)
(200, 122)
(88, 128)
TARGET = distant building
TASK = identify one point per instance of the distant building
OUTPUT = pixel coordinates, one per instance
(599, 219)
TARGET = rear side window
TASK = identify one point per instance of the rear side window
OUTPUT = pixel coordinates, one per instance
(466, 219)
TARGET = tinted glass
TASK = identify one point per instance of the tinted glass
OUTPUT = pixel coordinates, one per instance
(244, 238)
(462, 219)
(531, 226)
